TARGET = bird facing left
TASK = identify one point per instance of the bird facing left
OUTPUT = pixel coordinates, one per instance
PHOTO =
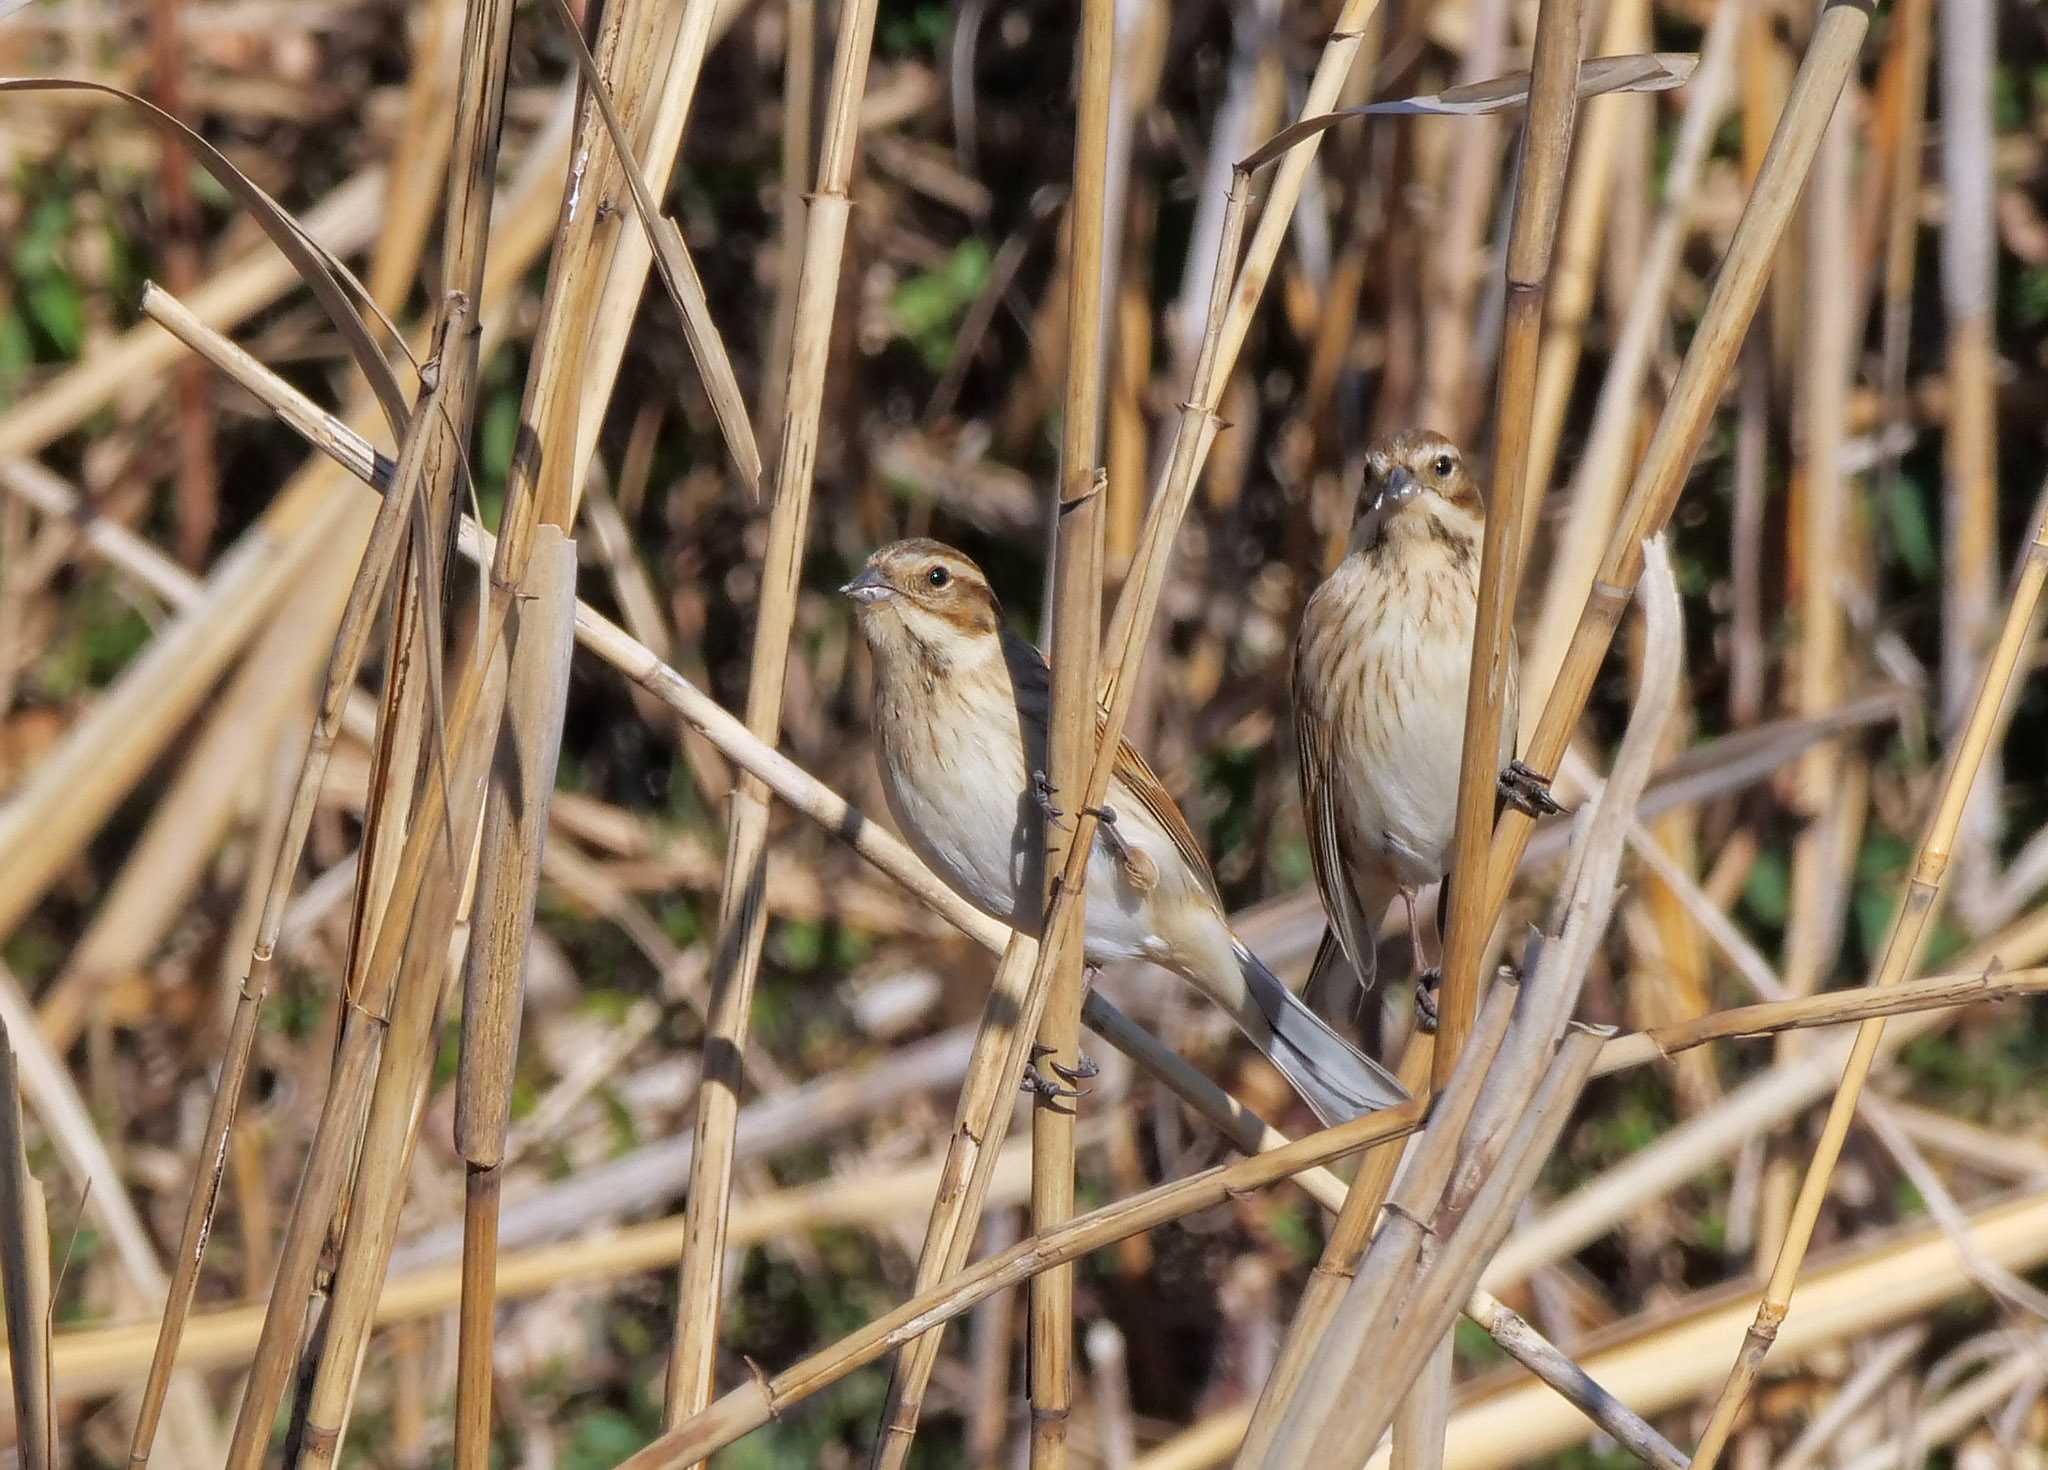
(960, 710)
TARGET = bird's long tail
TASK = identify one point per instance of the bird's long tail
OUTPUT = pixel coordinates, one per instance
(1333, 1077)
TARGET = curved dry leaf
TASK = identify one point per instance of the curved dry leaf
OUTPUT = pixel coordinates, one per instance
(331, 282)
(1649, 71)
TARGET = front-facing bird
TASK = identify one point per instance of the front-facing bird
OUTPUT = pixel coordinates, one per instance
(1380, 671)
(960, 726)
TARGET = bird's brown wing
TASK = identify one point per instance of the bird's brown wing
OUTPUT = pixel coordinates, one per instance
(1349, 925)
(1130, 778)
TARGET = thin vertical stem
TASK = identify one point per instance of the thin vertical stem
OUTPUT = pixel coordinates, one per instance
(1539, 196)
(742, 918)
(1077, 618)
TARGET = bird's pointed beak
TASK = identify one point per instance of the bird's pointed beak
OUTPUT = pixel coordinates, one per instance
(1400, 488)
(868, 588)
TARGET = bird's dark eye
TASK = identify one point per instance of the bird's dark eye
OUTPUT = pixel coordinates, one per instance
(938, 576)
(1443, 465)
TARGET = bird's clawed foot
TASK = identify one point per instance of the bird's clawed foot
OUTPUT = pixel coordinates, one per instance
(1426, 985)
(1526, 791)
(1042, 794)
(1052, 1094)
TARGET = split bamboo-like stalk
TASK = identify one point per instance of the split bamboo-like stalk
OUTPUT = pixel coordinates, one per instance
(1539, 197)
(1837, 37)
(1460, 1248)
(1900, 955)
(1077, 541)
(432, 906)
(1335, 1269)
(742, 920)
(508, 879)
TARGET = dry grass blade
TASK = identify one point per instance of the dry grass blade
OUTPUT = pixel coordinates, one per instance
(25, 1279)
(678, 273)
(1658, 71)
(327, 278)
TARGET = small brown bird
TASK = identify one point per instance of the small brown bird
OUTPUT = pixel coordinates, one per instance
(960, 726)
(1380, 671)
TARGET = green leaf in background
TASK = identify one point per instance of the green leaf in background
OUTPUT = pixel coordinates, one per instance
(928, 306)
(1911, 527)
(602, 1438)
(1767, 894)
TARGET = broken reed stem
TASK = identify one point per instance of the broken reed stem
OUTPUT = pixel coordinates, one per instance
(1372, 1286)
(1539, 196)
(742, 918)
(508, 878)
(1077, 538)
(1823, 73)
(806, 795)
(1900, 955)
(749, 1407)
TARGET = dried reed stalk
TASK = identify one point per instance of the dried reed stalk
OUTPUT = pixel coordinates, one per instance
(1539, 196)
(1373, 1284)
(1334, 1271)
(1076, 555)
(742, 920)
(1830, 57)
(1900, 955)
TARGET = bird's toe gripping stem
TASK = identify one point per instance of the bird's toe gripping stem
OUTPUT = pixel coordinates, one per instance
(1526, 791)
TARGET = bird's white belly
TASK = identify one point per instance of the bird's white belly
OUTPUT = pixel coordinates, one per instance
(971, 817)
(1398, 768)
